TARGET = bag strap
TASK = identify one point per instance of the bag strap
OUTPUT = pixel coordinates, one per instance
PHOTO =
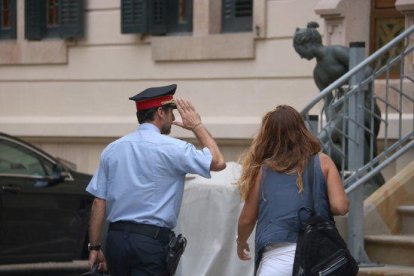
(311, 180)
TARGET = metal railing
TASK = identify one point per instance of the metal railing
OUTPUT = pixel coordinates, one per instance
(368, 123)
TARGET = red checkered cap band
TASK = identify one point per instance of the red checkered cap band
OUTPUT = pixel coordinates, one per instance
(155, 102)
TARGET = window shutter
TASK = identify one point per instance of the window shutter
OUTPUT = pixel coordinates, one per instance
(237, 15)
(13, 19)
(134, 16)
(35, 19)
(1, 29)
(71, 18)
(158, 18)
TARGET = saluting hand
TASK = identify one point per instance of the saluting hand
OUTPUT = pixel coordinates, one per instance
(189, 115)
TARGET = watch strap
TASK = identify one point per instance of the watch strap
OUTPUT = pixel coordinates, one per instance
(94, 247)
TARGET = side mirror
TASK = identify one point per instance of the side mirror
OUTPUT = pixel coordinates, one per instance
(58, 174)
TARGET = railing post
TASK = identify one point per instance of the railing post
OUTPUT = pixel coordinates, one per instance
(355, 155)
(313, 121)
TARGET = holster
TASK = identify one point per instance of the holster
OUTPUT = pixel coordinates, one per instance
(176, 247)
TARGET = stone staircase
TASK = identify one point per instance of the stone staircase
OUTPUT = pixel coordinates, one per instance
(395, 252)
(391, 252)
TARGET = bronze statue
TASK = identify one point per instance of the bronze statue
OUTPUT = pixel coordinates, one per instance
(331, 63)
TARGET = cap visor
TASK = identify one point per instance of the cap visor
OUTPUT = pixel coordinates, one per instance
(170, 103)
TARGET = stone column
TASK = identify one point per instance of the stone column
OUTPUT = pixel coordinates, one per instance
(206, 17)
(345, 21)
(332, 11)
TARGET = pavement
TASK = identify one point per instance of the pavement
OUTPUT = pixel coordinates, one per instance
(45, 269)
(386, 270)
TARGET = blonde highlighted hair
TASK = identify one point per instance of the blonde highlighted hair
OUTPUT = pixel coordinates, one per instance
(283, 144)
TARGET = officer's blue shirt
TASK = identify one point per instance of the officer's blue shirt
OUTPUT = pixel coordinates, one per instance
(141, 176)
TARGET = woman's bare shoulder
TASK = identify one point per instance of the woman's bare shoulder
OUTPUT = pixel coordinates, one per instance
(326, 161)
(323, 157)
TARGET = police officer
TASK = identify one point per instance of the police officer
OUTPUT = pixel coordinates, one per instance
(138, 187)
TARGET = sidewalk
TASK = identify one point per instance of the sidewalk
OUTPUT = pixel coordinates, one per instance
(52, 268)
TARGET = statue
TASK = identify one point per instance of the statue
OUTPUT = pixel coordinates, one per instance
(331, 63)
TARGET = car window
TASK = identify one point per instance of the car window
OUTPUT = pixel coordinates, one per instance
(16, 159)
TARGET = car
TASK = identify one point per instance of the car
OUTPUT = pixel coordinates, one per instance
(44, 208)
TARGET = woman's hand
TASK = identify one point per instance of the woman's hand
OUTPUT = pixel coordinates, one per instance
(243, 251)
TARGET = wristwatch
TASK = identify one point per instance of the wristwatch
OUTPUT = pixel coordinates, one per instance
(96, 247)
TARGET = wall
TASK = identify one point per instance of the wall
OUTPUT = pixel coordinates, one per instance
(76, 103)
(71, 97)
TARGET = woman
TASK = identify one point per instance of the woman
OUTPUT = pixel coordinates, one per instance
(274, 186)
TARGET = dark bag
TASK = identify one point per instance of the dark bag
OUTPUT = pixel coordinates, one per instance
(320, 249)
(176, 248)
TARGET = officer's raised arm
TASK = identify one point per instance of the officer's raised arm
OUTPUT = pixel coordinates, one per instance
(191, 120)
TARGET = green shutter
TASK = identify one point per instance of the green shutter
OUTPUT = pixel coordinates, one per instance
(158, 18)
(71, 18)
(237, 15)
(13, 19)
(1, 30)
(134, 16)
(35, 19)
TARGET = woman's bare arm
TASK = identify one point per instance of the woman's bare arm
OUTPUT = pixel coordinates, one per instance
(247, 219)
(338, 199)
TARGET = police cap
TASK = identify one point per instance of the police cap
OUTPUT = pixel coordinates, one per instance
(155, 97)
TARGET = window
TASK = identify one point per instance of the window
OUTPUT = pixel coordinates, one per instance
(7, 19)
(54, 18)
(17, 160)
(157, 17)
(237, 15)
(180, 20)
(212, 37)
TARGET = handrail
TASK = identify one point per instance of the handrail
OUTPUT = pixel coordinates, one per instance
(381, 166)
(356, 69)
(353, 71)
(349, 124)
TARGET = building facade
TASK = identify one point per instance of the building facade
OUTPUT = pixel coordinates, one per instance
(67, 68)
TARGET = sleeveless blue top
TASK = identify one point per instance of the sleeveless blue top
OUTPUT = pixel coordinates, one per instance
(280, 201)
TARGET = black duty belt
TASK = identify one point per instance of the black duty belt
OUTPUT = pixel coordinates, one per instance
(148, 230)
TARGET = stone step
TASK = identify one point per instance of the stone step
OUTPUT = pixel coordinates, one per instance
(390, 249)
(407, 219)
(387, 270)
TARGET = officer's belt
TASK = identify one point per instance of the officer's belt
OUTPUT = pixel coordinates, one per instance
(151, 231)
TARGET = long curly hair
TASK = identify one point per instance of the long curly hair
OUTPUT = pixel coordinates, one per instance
(284, 144)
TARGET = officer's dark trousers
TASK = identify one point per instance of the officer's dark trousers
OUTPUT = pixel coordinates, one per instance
(135, 254)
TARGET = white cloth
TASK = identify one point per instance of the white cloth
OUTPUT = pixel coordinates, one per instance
(208, 219)
(277, 260)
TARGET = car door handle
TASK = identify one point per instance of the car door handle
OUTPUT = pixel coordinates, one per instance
(11, 189)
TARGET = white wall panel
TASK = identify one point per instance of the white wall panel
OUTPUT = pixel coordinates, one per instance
(284, 16)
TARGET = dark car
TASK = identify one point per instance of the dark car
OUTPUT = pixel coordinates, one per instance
(44, 209)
